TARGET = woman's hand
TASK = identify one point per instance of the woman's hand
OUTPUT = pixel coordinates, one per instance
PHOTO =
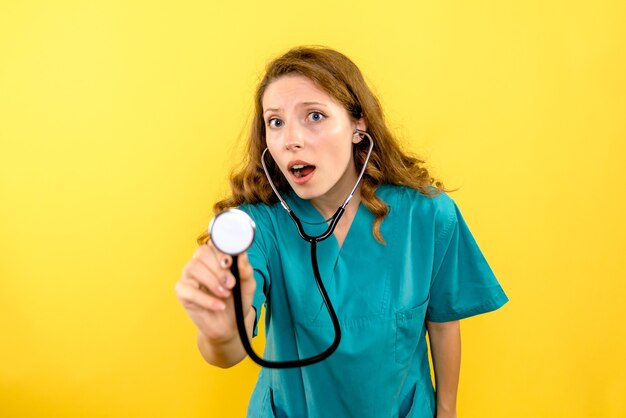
(204, 290)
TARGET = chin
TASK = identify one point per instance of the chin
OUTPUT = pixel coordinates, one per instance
(304, 192)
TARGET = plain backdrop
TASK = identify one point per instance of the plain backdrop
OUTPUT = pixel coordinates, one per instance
(120, 122)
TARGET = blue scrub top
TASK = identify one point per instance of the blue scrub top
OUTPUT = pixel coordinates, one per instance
(429, 269)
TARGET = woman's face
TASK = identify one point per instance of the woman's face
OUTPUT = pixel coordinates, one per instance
(310, 136)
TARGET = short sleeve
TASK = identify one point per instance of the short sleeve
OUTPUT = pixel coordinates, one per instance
(462, 284)
(257, 255)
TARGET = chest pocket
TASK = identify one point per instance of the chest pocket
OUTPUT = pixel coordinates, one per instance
(409, 327)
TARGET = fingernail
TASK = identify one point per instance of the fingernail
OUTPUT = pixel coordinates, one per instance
(222, 290)
(220, 306)
(228, 282)
(224, 263)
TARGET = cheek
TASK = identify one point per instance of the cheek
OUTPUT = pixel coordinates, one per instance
(273, 148)
(341, 150)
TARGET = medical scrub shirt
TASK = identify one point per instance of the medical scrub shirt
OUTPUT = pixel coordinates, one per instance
(429, 268)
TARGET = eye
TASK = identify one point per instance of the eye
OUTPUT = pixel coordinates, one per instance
(274, 123)
(316, 116)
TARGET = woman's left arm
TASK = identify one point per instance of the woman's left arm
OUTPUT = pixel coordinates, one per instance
(445, 346)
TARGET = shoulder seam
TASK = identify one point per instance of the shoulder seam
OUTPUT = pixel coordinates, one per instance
(449, 224)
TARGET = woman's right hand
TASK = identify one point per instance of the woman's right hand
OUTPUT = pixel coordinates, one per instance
(204, 290)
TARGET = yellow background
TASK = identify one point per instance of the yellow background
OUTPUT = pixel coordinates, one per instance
(119, 122)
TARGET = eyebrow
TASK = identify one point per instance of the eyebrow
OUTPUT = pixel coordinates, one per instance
(276, 109)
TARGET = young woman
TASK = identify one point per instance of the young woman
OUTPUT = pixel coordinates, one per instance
(401, 261)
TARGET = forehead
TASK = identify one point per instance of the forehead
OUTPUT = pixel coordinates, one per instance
(293, 88)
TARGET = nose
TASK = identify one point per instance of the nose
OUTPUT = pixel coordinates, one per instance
(294, 139)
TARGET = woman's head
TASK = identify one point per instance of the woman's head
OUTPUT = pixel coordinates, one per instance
(310, 137)
(337, 76)
(332, 73)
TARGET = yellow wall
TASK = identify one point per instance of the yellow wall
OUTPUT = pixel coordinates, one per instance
(118, 124)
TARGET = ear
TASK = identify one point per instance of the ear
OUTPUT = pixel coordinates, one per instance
(361, 125)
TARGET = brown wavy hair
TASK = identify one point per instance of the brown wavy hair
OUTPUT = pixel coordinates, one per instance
(338, 76)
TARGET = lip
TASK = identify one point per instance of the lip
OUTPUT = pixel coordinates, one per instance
(296, 162)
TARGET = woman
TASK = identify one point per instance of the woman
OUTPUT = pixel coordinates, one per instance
(402, 260)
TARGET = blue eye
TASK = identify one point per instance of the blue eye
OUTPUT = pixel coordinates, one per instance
(316, 116)
(275, 123)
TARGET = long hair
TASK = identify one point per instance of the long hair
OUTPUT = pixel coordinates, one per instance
(338, 76)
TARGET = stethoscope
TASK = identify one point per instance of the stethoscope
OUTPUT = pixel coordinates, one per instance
(232, 232)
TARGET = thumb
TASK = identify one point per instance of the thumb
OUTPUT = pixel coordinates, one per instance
(246, 276)
(246, 272)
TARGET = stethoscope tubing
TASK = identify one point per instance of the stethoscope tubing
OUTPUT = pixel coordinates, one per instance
(243, 334)
(313, 240)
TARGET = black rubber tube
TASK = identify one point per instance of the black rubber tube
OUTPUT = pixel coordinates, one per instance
(243, 334)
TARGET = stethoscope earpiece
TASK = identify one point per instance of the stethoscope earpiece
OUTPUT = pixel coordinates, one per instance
(358, 136)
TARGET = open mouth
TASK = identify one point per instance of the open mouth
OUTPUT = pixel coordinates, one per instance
(301, 170)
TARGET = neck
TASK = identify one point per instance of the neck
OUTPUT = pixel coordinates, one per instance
(328, 203)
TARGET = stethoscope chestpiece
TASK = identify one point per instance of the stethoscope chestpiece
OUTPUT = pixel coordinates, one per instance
(232, 231)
